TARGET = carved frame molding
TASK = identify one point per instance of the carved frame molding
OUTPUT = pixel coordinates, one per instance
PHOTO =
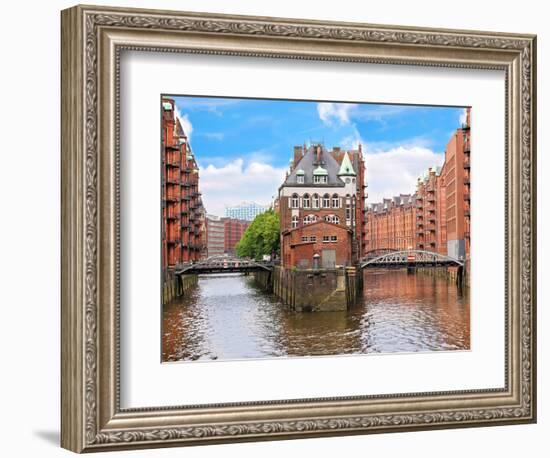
(92, 40)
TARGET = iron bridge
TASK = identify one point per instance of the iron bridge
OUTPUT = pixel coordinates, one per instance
(410, 258)
(225, 264)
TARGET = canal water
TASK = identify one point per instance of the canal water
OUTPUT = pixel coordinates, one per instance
(227, 316)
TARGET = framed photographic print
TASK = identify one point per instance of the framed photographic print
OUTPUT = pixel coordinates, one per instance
(294, 228)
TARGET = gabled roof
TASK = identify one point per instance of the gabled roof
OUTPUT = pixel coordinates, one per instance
(310, 165)
(346, 168)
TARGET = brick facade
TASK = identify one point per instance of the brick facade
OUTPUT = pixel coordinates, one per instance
(437, 216)
(234, 229)
(183, 217)
(329, 243)
(322, 186)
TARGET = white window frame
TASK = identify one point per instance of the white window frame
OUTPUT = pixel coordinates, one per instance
(315, 201)
(310, 219)
(300, 179)
(326, 201)
(335, 201)
(294, 222)
(306, 201)
(294, 201)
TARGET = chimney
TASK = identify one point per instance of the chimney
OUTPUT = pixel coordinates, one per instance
(298, 153)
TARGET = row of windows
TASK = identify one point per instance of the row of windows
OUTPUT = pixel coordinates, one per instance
(315, 201)
(313, 218)
(326, 238)
(317, 179)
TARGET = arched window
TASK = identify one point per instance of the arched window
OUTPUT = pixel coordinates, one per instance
(294, 201)
(315, 201)
(332, 219)
(310, 219)
(294, 223)
(306, 201)
(326, 201)
(335, 201)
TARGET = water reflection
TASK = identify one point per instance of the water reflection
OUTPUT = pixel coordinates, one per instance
(227, 317)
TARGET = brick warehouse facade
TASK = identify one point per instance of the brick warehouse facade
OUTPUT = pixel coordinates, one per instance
(391, 224)
(437, 216)
(183, 216)
(319, 244)
(322, 186)
(234, 229)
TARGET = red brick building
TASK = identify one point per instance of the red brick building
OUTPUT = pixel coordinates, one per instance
(391, 224)
(317, 245)
(437, 216)
(322, 186)
(183, 217)
(234, 229)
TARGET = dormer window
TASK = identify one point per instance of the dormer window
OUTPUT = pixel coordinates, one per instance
(300, 174)
(323, 179)
(320, 176)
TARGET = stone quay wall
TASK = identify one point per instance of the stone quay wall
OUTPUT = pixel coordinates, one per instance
(314, 290)
(457, 275)
(177, 285)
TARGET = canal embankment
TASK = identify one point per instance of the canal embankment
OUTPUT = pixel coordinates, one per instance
(458, 275)
(312, 290)
(177, 285)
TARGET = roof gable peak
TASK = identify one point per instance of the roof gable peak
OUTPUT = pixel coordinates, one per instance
(346, 168)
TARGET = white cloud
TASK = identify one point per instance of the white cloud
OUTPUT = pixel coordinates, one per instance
(185, 123)
(235, 182)
(395, 171)
(353, 140)
(330, 112)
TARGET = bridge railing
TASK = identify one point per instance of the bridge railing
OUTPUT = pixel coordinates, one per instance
(223, 262)
(411, 257)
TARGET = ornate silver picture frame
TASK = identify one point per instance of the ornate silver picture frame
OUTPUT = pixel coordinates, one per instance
(93, 39)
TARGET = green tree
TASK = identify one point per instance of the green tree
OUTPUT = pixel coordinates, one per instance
(261, 237)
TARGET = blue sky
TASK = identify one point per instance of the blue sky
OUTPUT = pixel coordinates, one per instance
(243, 146)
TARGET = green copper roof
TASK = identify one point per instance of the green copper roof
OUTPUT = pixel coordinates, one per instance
(300, 172)
(167, 106)
(346, 168)
(320, 171)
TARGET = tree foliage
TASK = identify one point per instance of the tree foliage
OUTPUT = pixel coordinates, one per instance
(261, 237)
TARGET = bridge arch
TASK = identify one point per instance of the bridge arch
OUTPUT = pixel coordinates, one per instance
(410, 258)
